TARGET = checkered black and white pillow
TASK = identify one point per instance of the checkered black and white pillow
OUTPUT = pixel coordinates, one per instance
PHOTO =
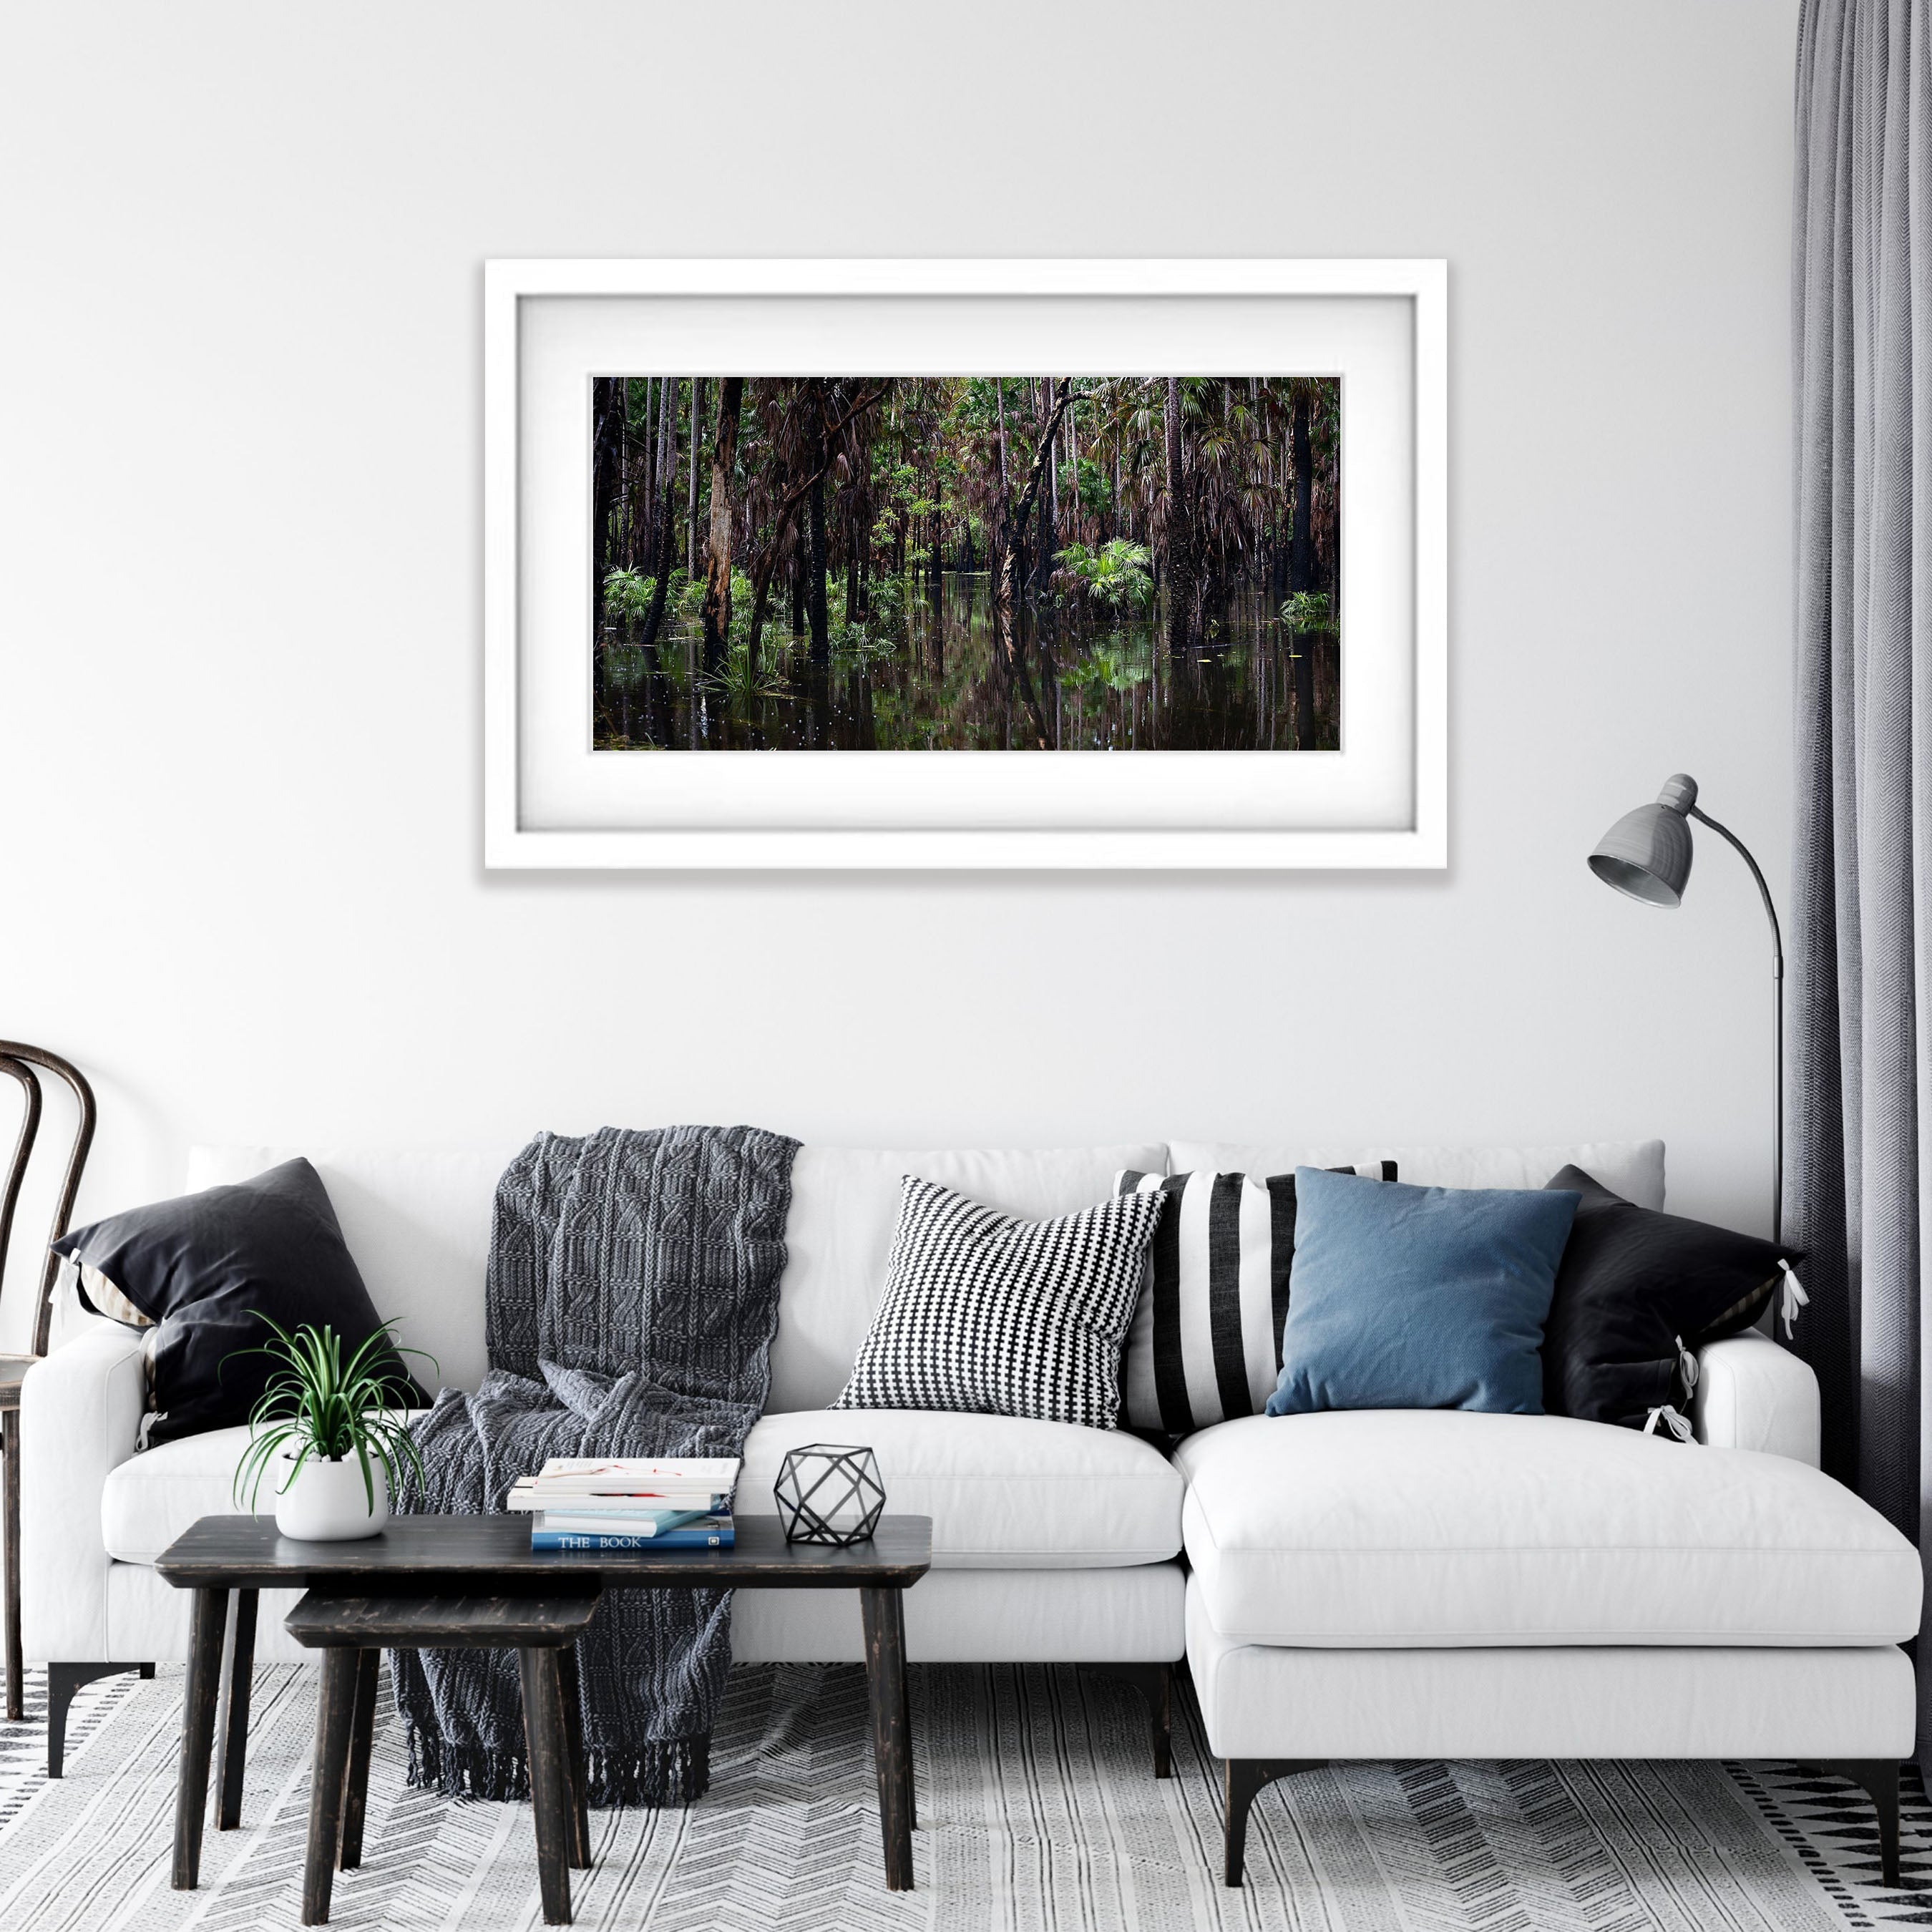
(987, 1313)
(1205, 1343)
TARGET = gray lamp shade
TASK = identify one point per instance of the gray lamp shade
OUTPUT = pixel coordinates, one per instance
(1647, 853)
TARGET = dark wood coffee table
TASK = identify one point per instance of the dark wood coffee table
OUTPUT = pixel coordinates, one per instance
(426, 1556)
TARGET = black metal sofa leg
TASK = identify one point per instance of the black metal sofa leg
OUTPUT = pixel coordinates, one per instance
(1244, 1779)
(1155, 1682)
(63, 1680)
(1879, 1778)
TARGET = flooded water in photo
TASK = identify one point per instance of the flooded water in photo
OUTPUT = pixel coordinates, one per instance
(929, 682)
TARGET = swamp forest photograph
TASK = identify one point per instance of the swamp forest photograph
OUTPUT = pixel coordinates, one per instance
(966, 563)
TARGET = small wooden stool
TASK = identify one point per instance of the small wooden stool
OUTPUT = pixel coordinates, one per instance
(350, 1630)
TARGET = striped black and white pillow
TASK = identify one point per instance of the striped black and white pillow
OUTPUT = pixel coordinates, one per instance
(988, 1313)
(1205, 1342)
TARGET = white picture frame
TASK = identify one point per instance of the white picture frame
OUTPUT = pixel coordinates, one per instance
(1381, 802)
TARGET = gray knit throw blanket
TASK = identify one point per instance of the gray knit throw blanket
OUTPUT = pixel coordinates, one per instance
(633, 1295)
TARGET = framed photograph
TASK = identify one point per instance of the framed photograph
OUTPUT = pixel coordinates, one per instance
(965, 564)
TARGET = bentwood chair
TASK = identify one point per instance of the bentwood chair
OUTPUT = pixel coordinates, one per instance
(18, 1060)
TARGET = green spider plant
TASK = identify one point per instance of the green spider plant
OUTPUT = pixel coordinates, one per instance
(322, 1408)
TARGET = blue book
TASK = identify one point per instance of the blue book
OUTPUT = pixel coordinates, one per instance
(722, 1537)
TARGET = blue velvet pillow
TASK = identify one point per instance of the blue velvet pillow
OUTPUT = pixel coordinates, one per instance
(1419, 1298)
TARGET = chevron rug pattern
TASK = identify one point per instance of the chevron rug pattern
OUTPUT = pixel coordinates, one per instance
(1037, 1813)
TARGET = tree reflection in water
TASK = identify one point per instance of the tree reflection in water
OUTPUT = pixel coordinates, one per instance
(928, 680)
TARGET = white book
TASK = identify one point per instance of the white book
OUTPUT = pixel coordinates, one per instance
(628, 1483)
(647, 1504)
(718, 1472)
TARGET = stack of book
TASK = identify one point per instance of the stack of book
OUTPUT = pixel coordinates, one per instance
(625, 1502)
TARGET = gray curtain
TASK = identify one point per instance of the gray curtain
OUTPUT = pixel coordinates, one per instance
(1861, 1086)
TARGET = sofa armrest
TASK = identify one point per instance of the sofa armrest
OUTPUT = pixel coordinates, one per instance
(1752, 1394)
(80, 1413)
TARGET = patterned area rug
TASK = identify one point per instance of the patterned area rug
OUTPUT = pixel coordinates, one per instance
(1037, 1811)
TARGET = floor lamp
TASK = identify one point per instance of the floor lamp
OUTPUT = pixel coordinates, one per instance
(1647, 854)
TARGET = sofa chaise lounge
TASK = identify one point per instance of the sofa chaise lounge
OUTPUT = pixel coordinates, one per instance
(1378, 1585)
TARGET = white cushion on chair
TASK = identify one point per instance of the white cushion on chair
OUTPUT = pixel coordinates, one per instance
(1421, 1528)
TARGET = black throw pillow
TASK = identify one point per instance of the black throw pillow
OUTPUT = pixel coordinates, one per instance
(201, 1267)
(1634, 1284)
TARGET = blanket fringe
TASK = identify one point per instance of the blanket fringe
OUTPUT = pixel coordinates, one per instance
(675, 1772)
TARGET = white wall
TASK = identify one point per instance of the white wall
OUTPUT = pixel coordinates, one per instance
(240, 559)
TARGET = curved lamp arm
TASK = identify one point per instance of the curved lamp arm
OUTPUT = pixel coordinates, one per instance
(1743, 851)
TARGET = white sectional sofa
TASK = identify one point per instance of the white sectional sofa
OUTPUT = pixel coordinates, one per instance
(1374, 1585)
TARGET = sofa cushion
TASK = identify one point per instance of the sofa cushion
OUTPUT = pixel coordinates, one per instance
(418, 1222)
(844, 1203)
(1003, 1492)
(1633, 1168)
(418, 1225)
(1392, 1528)
(152, 1498)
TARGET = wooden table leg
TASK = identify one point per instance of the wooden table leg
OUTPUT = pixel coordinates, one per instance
(550, 1781)
(361, 1739)
(883, 1610)
(572, 1692)
(206, 1630)
(238, 1683)
(334, 1719)
(905, 1705)
(10, 1443)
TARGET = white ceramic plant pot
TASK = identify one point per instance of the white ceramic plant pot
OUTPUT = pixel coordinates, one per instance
(326, 1502)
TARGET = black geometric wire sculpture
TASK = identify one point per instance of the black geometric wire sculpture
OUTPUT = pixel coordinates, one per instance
(829, 1493)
